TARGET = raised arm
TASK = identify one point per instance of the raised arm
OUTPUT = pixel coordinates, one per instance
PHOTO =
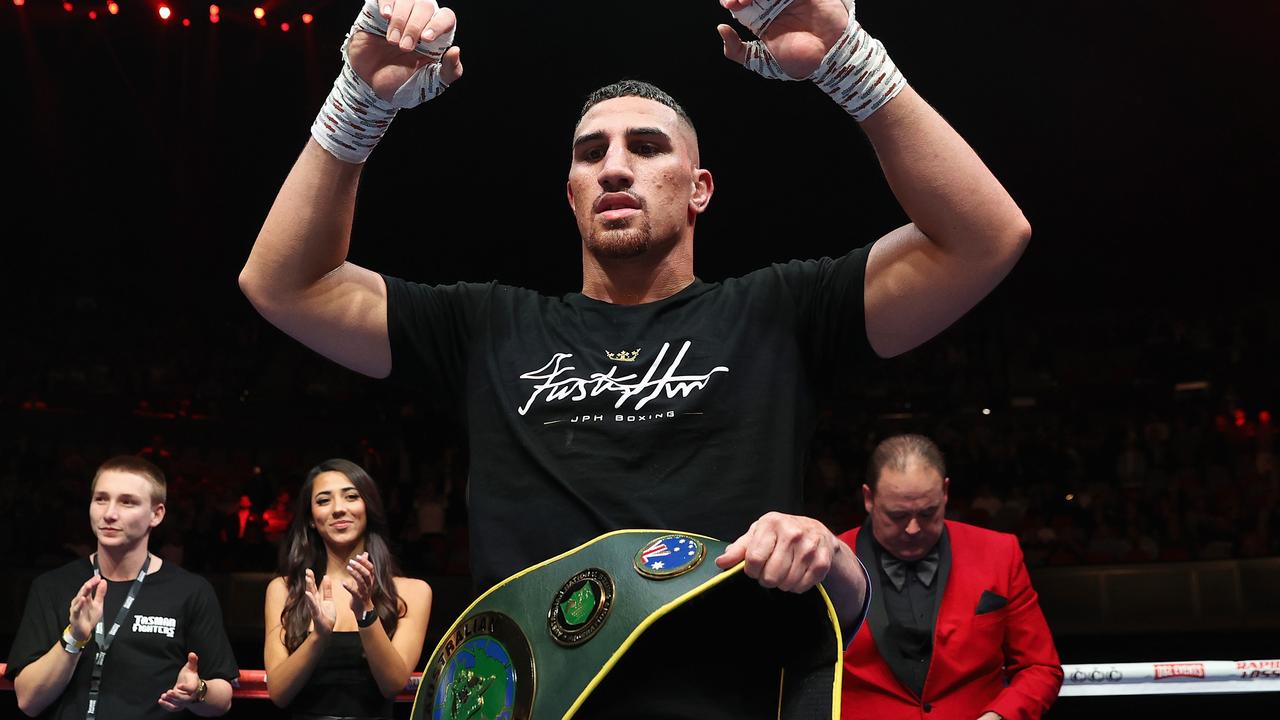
(297, 275)
(288, 673)
(392, 660)
(965, 234)
(40, 684)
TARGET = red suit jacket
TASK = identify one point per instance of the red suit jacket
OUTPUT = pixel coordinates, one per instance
(1002, 660)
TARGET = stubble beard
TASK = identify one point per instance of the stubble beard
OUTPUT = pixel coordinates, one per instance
(620, 242)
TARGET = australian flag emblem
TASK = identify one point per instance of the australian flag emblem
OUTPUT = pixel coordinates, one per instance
(669, 555)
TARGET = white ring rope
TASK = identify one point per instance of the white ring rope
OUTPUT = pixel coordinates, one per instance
(1171, 678)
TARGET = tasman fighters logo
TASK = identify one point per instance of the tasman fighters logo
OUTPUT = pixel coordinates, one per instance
(557, 383)
(155, 624)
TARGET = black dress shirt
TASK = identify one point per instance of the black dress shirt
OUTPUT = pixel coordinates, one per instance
(911, 601)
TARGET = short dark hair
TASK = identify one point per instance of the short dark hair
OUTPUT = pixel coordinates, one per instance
(635, 88)
(135, 465)
(895, 452)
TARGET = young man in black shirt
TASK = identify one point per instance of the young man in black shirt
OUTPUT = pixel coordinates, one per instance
(122, 634)
(651, 398)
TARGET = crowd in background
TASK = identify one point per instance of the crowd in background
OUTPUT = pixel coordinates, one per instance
(1135, 436)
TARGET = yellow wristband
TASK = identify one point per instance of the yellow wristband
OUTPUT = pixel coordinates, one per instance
(70, 640)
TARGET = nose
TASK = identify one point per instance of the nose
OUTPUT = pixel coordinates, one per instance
(615, 170)
(913, 527)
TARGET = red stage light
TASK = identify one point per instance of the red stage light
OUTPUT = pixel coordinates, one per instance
(213, 19)
(307, 18)
(93, 14)
(284, 27)
(186, 22)
(214, 9)
(113, 8)
(19, 3)
(259, 13)
(68, 6)
(165, 12)
(1264, 417)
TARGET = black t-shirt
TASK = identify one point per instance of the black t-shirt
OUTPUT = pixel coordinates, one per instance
(175, 612)
(694, 412)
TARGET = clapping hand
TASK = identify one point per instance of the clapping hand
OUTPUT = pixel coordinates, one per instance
(184, 689)
(361, 584)
(323, 612)
(86, 608)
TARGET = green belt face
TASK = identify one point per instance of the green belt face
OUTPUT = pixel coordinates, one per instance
(538, 643)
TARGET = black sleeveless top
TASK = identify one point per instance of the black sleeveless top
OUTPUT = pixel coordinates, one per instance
(342, 685)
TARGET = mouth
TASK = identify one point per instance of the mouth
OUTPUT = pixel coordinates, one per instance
(617, 205)
(341, 525)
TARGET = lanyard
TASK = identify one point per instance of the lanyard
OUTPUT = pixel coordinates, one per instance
(104, 640)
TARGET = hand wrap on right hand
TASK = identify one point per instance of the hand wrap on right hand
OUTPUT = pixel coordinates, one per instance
(353, 117)
(856, 72)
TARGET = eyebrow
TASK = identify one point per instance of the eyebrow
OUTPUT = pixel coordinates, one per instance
(122, 496)
(922, 511)
(330, 492)
(631, 133)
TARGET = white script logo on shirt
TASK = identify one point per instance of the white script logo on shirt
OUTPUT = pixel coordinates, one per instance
(556, 384)
(154, 624)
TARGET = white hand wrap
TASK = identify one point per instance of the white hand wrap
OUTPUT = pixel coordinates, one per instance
(353, 117)
(856, 72)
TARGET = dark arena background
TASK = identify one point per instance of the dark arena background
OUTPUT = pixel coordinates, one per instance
(1113, 403)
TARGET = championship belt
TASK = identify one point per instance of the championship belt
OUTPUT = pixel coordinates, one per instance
(592, 624)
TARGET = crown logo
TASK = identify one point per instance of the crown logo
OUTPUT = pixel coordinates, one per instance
(623, 355)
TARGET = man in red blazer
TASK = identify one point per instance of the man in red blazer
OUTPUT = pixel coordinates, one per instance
(954, 629)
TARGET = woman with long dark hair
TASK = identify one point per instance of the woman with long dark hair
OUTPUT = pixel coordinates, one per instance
(344, 631)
